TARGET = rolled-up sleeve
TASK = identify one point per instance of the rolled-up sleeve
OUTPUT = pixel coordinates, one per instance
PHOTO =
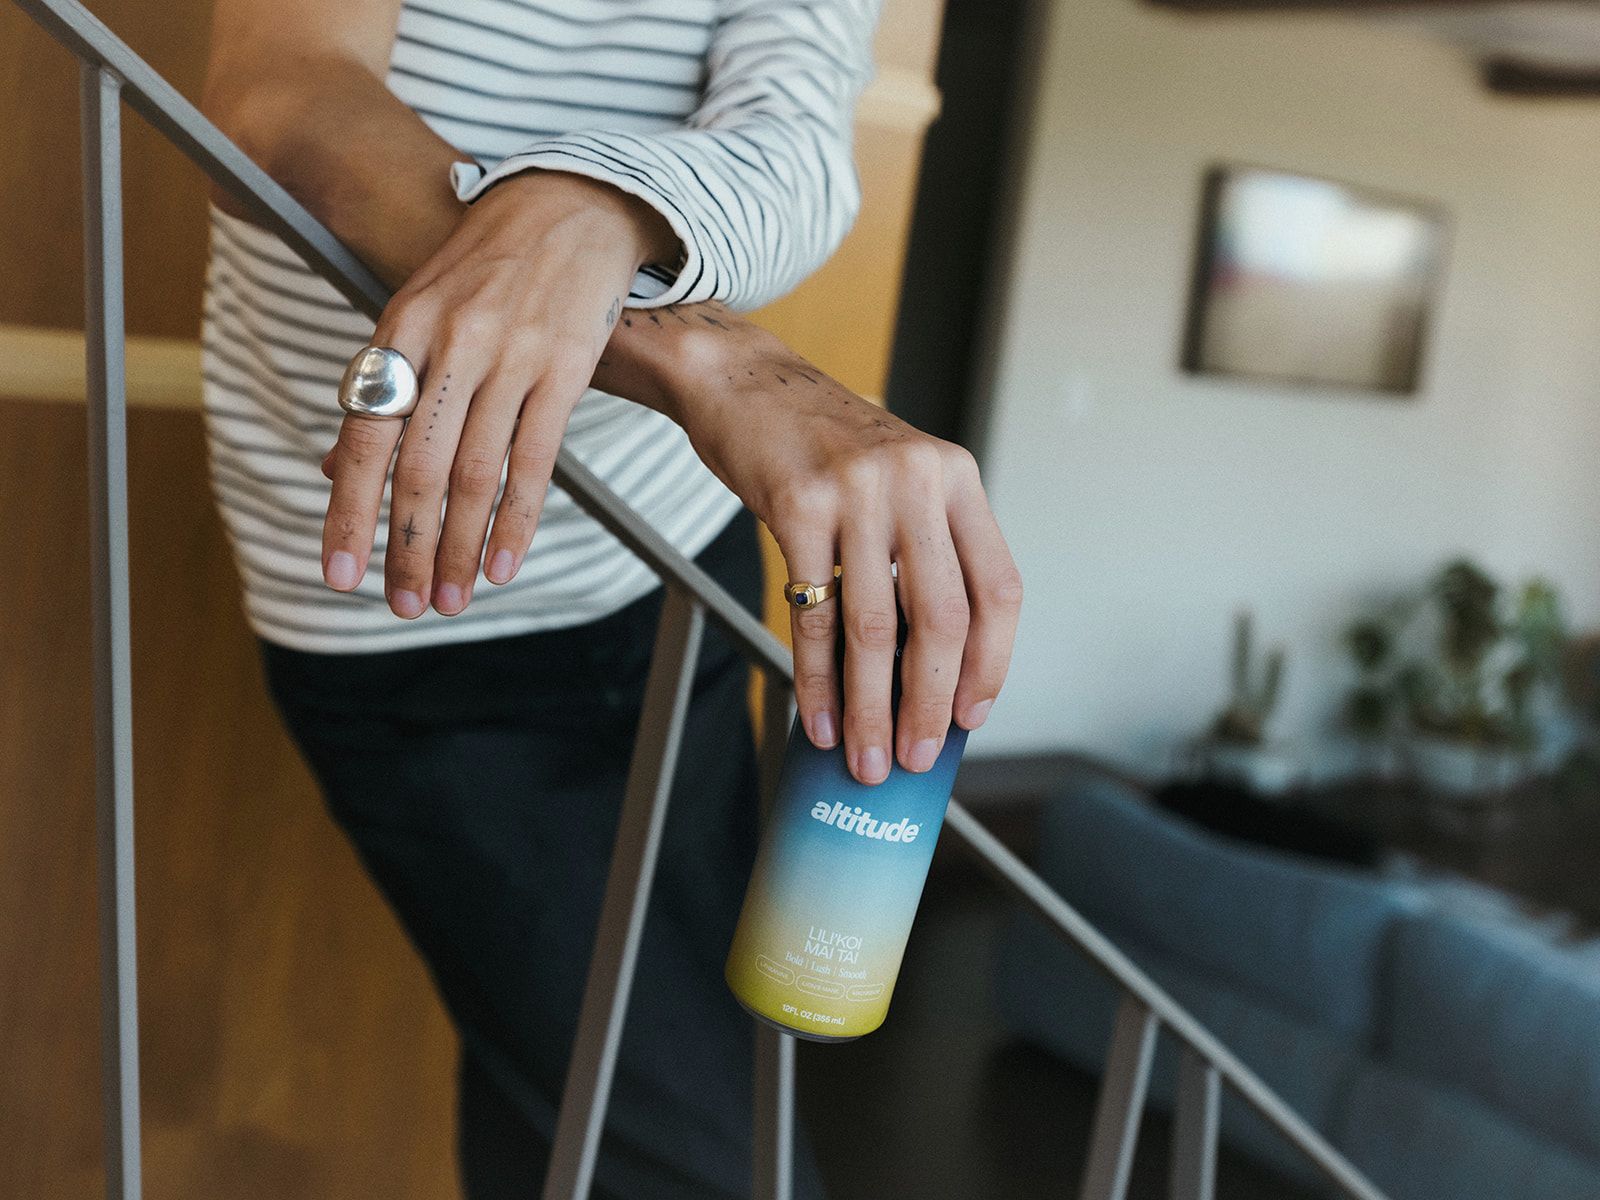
(759, 183)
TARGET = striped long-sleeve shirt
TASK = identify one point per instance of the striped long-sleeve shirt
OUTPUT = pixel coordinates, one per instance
(732, 118)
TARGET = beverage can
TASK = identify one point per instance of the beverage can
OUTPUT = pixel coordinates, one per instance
(836, 885)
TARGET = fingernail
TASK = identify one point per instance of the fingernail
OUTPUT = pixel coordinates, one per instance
(342, 570)
(979, 713)
(448, 599)
(500, 567)
(923, 754)
(823, 732)
(407, 604)
(874, 765)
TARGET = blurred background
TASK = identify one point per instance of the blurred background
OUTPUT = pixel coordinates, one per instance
(1276, 328)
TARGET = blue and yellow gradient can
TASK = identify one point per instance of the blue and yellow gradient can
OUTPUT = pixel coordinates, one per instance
(835, 888)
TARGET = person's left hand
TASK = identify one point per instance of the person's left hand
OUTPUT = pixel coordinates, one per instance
(840, 481)
(504, 325)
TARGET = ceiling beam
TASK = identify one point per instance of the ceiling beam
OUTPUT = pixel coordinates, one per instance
(1510, 77)
(1501, 74)
(1294, 6)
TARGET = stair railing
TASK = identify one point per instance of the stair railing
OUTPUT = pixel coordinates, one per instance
(111, 74)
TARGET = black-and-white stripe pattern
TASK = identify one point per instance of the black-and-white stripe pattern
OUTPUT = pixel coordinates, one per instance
(731, 117)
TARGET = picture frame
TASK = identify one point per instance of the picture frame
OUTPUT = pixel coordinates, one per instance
(1311, 281)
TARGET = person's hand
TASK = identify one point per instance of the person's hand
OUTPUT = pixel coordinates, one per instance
(505, 324)
(840, 481)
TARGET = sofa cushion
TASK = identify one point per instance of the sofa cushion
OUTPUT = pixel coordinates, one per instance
(1419, 1141)
(1310, 939)
(1503, 1015)
(1048, 994)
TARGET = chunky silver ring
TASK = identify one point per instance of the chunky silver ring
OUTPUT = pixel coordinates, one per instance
(379, 382)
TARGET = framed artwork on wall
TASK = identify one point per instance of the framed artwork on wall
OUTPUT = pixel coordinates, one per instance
(1307, 280)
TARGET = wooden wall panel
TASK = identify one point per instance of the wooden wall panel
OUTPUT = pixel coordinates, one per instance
(41, 255)
(292, 1047)
(908, 36)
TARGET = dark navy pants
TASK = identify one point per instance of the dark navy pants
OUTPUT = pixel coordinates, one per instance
(481, 785)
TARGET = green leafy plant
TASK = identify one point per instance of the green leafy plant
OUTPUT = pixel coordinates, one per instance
(1253, 698)
(1487, 663)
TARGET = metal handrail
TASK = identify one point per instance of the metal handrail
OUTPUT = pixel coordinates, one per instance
(111, 73)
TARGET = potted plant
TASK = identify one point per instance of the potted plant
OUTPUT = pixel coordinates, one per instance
(1237, 748)
(1467, 710)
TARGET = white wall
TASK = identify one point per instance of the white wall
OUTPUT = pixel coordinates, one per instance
(1145, 506)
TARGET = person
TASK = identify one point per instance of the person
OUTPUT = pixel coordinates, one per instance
(574, 199)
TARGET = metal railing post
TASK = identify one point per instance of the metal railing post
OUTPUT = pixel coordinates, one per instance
(627, 897)
(777, 712)
(108, 577)
(772, 1160)
(1196, 1121)
(1120, 1107)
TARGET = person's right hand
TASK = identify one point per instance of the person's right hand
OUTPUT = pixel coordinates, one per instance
(839, 480)
(505, 324)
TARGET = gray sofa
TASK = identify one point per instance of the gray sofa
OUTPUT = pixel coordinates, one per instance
(1451, 1051)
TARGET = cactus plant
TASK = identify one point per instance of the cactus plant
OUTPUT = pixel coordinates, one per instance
(1253, 699)
(1371, 706)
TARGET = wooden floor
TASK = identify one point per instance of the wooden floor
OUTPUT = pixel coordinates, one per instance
(291, 1044)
